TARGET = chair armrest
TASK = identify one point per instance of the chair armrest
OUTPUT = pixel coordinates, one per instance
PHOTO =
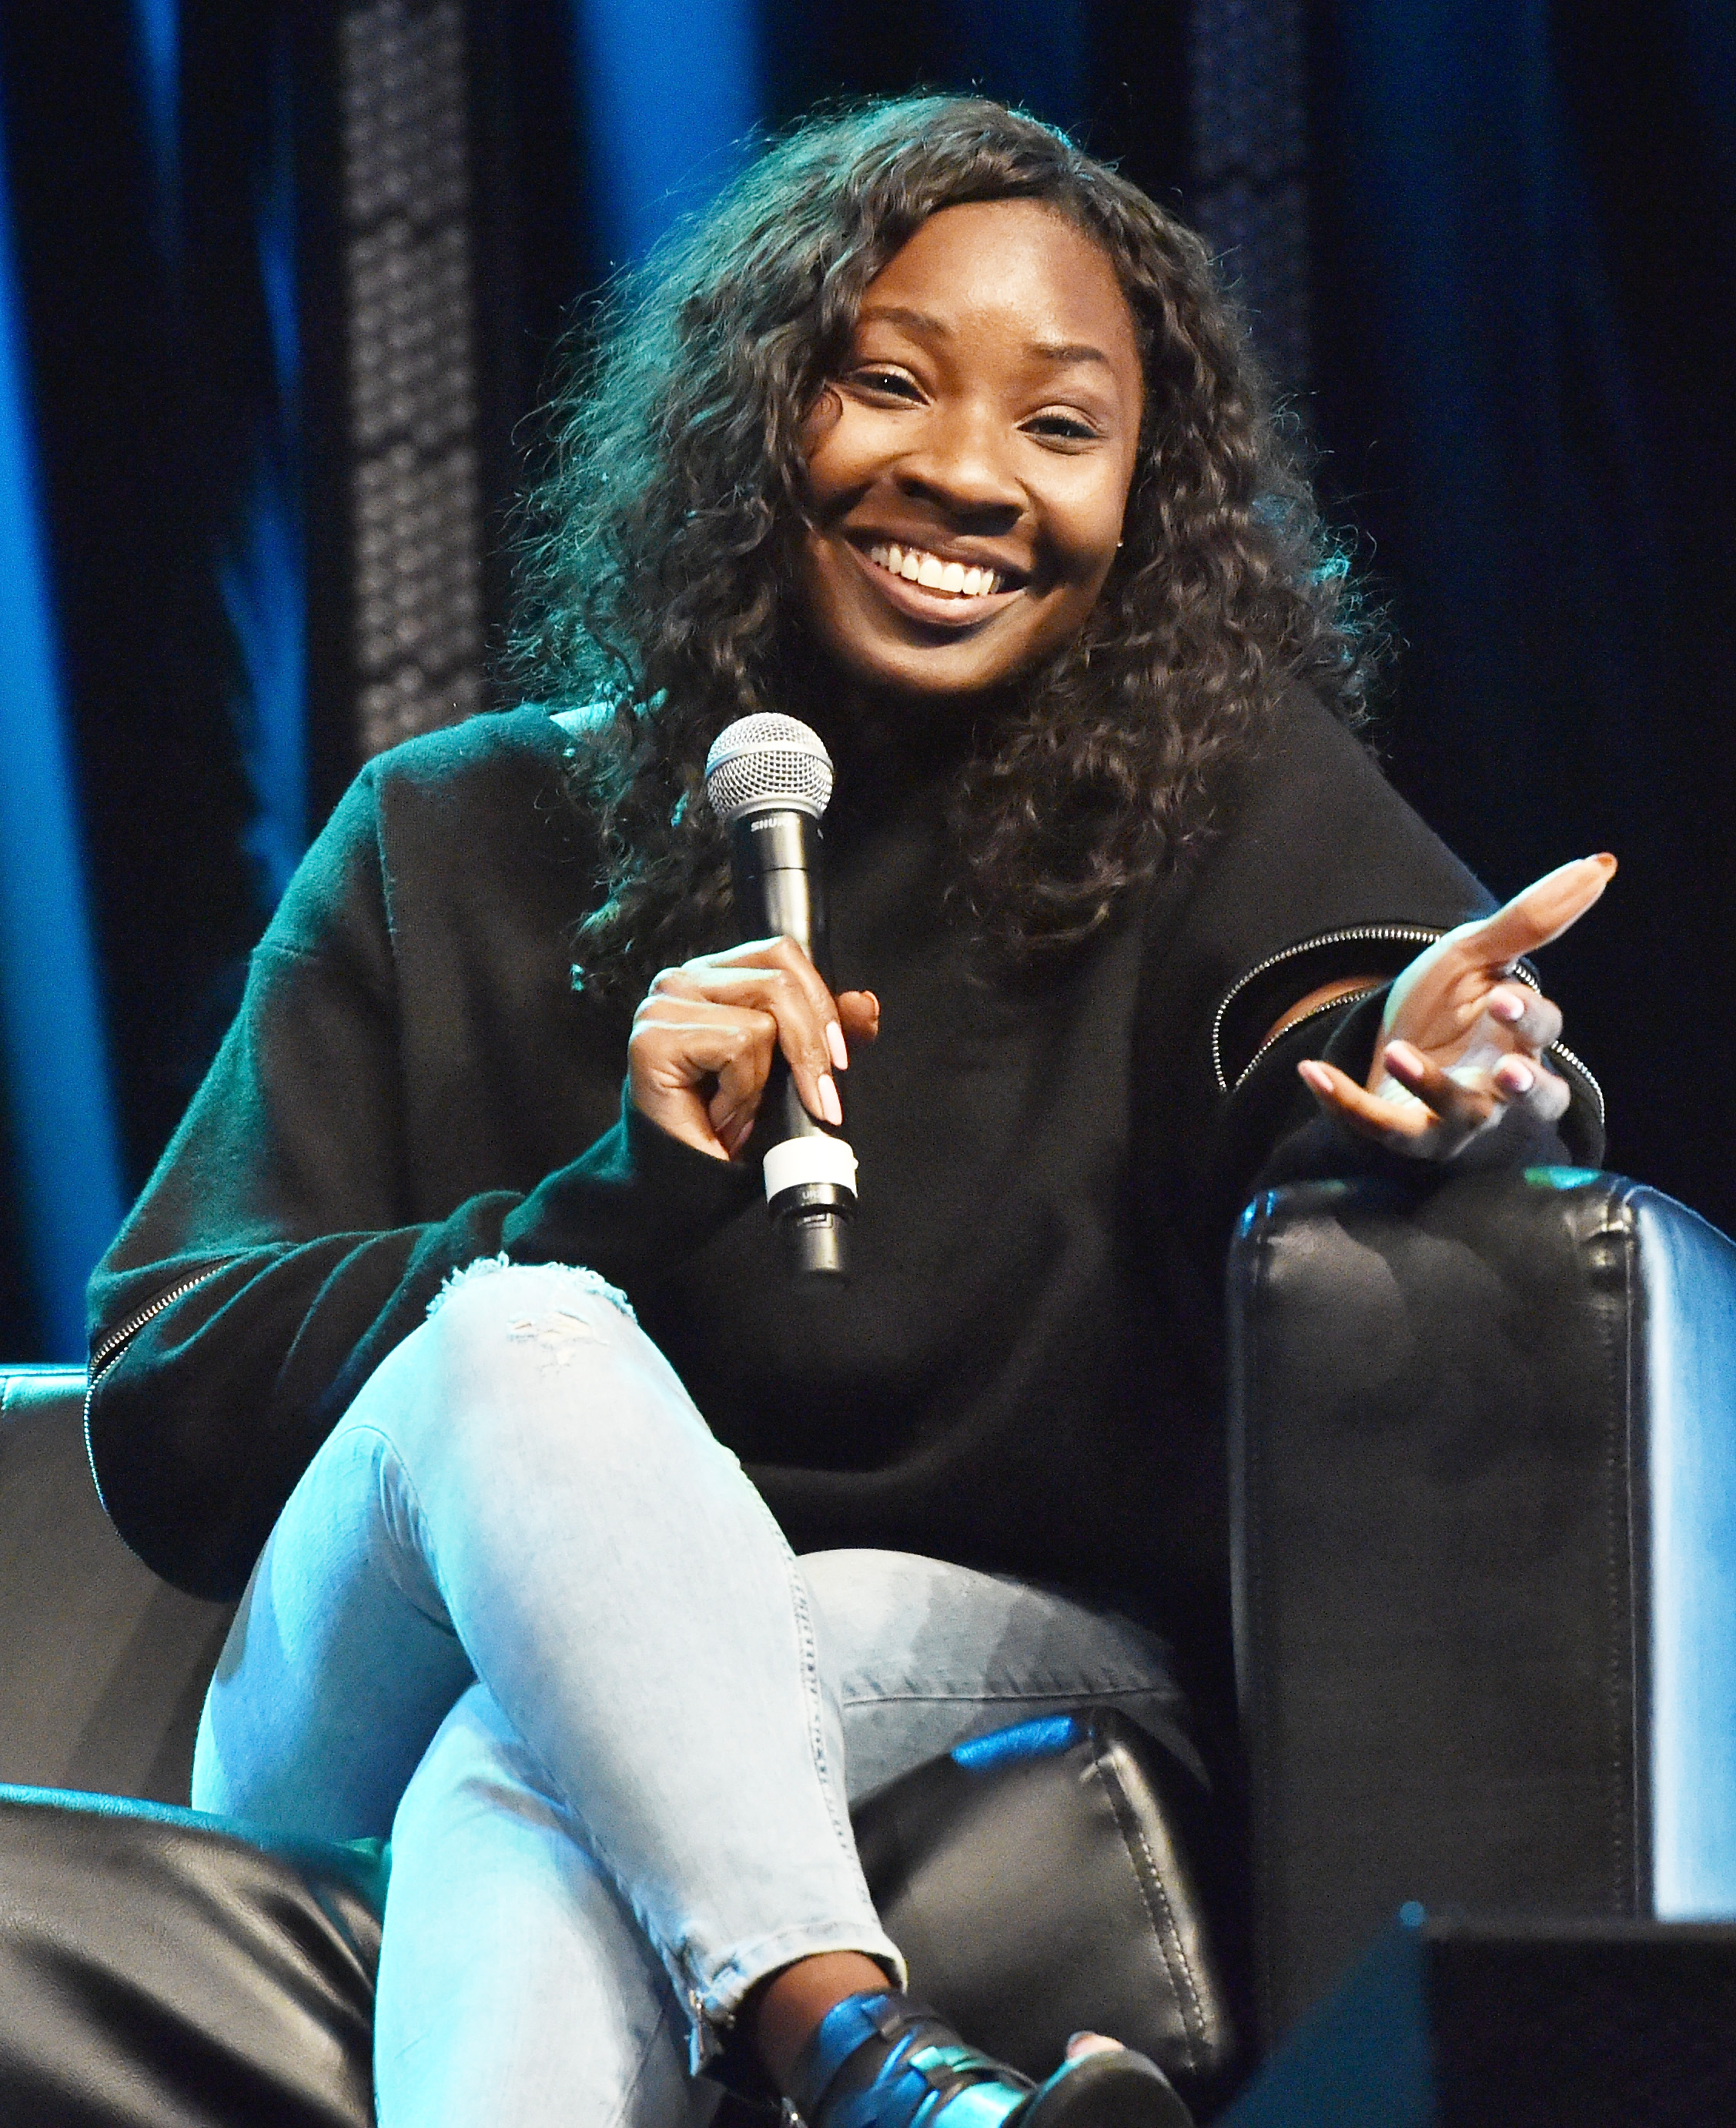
(105, 1667)
(1483, 1499)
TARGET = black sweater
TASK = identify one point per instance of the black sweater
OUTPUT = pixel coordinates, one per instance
(1020, 1375)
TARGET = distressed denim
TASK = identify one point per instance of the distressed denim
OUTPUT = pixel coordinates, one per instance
(526, 1614)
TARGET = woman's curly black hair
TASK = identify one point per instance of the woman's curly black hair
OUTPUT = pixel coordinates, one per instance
(656, 551)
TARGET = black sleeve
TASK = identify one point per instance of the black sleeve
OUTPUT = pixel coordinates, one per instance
(270, 1266)
(1271, 1131)
(1320, 872)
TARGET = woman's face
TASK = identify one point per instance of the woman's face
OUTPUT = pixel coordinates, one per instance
(969, 463)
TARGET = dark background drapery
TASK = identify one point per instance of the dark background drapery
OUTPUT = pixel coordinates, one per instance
(1488, 247)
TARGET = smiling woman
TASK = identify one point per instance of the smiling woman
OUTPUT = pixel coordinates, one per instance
(663, 563)
(984, 420)
(573, 1549)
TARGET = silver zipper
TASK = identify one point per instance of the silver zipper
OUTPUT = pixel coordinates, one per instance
(1562, 1055)
(1402, 934)
(116, 1341)
(1289, 1026)
(1373, 934)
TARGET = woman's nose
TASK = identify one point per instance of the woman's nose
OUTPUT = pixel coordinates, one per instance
(961, 463)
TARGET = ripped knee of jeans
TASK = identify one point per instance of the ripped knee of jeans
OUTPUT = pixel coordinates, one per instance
(580, 1274)
(543, 1303)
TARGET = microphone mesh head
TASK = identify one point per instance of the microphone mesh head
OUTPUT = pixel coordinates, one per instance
(760, 762)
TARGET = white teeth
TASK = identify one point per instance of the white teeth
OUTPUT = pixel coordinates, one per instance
(918, 567)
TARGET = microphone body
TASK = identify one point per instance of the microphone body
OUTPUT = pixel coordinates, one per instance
(776, 855)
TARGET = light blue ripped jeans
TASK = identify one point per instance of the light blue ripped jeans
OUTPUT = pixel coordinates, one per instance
(641, 1809)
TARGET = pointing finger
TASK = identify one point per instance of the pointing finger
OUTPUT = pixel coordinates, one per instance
(1539, 913)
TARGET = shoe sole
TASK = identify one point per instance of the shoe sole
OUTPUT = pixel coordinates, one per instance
(1119, 2090)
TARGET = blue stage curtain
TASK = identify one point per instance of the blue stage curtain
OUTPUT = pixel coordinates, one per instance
(67, 1179)
(669, 96)
(154, 247)
(1527, 277)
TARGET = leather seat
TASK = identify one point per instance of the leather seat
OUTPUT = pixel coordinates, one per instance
(1483, 1461)
(105, 1666)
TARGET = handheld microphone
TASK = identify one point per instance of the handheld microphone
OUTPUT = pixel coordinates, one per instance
(768, 778)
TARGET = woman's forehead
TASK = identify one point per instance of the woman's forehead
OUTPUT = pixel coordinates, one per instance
(1019, 265)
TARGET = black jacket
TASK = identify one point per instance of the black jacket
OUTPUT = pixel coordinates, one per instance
(1021, 1374)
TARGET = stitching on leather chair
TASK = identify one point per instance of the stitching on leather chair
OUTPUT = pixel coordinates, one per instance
(1153, 1895)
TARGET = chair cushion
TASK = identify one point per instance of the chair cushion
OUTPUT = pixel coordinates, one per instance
(1046, 1880)
(107, 1666)
(161, 1969)
(1483, 1447)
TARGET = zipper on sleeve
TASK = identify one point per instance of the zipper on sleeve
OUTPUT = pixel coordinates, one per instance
(1374, 934)
(1302, 1019)
(1577, 1069)
(118, 1339)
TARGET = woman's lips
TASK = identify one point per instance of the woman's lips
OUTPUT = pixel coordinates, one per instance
(936, 605)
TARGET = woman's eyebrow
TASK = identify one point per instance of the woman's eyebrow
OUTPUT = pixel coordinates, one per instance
(926, 326)
(1069, 350)
(921, 322)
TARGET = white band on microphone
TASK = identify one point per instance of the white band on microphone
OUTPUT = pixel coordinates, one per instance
(795, 1161)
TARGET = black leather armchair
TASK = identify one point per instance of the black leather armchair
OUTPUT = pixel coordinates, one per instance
(1483, 1459)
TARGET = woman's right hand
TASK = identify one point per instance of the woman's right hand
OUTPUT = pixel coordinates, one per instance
(704, 1038)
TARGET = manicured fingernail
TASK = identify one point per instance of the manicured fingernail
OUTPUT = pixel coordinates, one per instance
(835, 1044)
(831, 1107)
(1516, 1076)
(1407, 1058)
(1504, 1005)
(1316, 1074)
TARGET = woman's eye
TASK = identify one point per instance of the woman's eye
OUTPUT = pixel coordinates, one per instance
(1069, 428)
(891, 381)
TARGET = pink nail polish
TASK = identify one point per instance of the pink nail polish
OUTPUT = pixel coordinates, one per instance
(831, 1107)
(835, 1045)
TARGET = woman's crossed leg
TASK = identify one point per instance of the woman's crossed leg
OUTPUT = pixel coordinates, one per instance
(640, 1814)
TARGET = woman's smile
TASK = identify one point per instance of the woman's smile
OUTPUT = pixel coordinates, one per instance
(916, 565)
(948, 595)
(968, 462)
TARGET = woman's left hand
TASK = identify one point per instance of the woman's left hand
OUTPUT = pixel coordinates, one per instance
(1462, 1040)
